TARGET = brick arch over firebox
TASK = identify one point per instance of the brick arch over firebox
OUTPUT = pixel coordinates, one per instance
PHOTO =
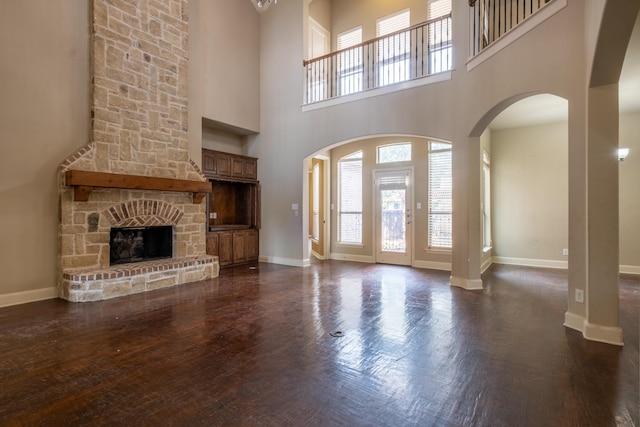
(136, 213)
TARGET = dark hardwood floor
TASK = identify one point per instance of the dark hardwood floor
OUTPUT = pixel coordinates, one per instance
(337, 343)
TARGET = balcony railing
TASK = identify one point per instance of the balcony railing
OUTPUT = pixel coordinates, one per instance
(418, 51)
(492, 19)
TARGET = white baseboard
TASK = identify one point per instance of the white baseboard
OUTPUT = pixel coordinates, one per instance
(348, 257)
(433, 265)
(529, 262)
(468, 284)
(284, 261)
(605, 334)
(486, 264)
(630, 269)
(317, 255)
(546, 263)
(28, 296)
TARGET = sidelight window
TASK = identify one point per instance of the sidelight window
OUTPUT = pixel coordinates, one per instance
(440, 195)
(350, 199)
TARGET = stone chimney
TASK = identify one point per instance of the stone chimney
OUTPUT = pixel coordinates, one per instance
(139, 122)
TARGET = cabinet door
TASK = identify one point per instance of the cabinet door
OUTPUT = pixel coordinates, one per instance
(223, 165)
(208, 163)
(212, 244)
(237, 167)
(250, 169)
(225, 248)
(252, 245)
(239, 247)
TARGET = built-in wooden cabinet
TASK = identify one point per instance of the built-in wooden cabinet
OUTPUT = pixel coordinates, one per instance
(226, 165)
(233, 208)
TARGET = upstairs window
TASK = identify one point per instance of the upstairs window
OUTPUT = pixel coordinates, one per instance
(440, 37)
(350, 199)
(394, 51)
(350, 65)
(394, 153)
(440, 196)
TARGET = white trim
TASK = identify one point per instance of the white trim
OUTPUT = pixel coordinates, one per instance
(606, 334)
(285, 261)
(317, 255)
(630, 269)
(573, 321)
(467, 284)
(520, 30)
(348, 257)
(409, 84)
(592, 332)
(24, 297)
(529, 262)
(433, 265)
(486, 264)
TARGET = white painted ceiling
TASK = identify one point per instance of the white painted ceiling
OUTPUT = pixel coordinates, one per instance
(547, 108)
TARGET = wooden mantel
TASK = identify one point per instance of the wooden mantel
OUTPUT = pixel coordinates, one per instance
(85, 181)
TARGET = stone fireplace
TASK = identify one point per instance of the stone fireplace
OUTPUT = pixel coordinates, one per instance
(135, 172)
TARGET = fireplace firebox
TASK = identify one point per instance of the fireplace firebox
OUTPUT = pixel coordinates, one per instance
(137, 244)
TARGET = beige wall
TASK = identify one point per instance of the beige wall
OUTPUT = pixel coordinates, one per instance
(215, 139)
(320, 10)
(230, 62)
(630, 193)
(530, 192)
(44, 117)
(348, 14)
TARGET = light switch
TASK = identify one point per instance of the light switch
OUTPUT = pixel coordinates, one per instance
(294, 206)
(418, 205)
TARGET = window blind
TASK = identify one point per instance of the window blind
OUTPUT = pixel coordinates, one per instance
(440, 189)
(392, 23)
(438, 8)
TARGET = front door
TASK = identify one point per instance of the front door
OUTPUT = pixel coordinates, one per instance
(393, 216)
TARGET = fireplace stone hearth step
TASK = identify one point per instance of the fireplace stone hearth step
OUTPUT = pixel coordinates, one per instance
(82, 285)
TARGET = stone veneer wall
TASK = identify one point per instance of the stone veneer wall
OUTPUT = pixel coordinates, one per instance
(139, 127)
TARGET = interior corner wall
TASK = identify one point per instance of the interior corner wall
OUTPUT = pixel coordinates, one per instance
(231, 61)
(349, 14)
(214, 139)
(44, 117)
(320, 11)
(529, 181)
(630, 193)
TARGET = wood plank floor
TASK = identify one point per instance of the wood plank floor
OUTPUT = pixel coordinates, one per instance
(335, 344)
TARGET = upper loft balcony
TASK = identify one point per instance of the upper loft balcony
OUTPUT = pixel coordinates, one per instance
(406, 56)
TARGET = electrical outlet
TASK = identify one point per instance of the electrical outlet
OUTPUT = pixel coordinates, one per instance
(565, 252)
(579, 295)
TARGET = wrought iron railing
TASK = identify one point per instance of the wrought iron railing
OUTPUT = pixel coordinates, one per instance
(418, 51)
(492, 19)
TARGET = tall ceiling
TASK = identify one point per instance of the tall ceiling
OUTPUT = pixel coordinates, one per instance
(546, 108)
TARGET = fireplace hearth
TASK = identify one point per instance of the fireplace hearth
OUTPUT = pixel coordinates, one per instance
(137, 244)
